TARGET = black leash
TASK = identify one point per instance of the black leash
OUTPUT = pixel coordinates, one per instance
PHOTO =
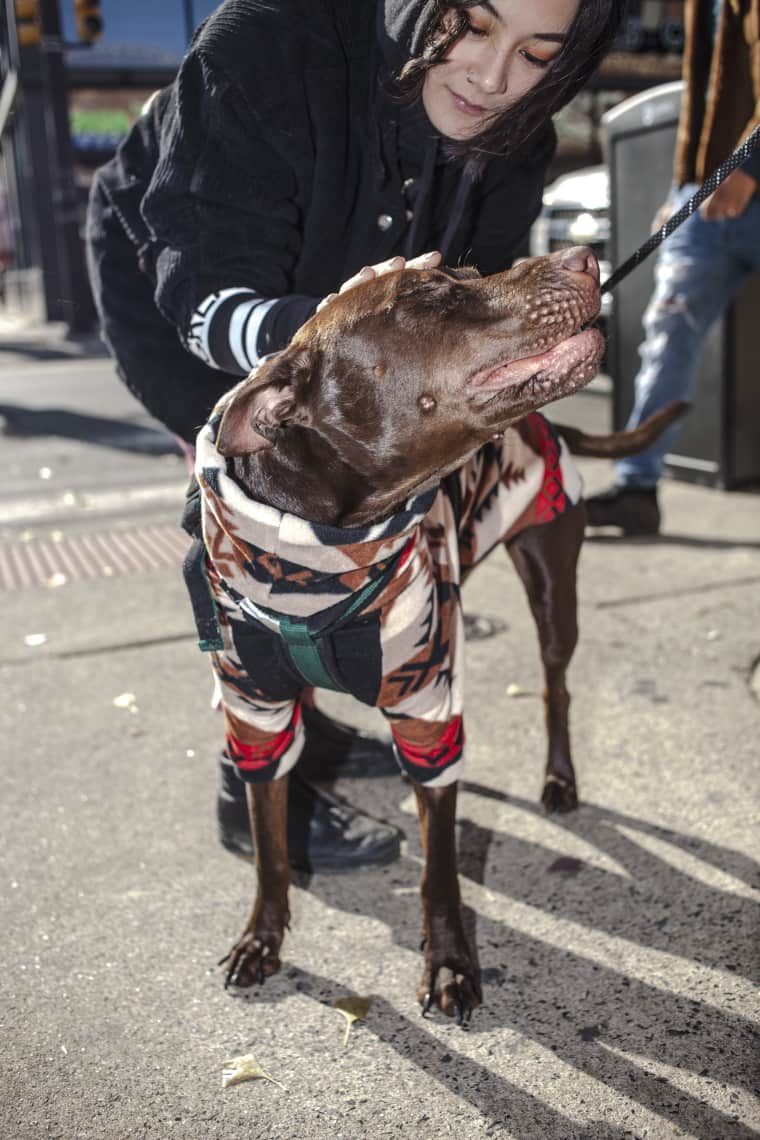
(657, 238)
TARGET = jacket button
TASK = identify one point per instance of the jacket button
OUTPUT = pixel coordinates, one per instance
(384, 222)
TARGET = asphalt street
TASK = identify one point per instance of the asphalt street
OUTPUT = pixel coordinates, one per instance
(618, 944)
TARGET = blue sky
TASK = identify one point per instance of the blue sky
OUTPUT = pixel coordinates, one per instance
(154, 23)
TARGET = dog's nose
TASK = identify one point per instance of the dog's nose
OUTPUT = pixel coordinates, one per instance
(580, 259)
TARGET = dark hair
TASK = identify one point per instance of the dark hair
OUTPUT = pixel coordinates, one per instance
(588, 38)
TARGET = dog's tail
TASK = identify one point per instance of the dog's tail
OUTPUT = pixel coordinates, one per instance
(619, 444)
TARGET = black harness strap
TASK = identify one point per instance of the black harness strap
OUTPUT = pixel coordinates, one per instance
(305, 638)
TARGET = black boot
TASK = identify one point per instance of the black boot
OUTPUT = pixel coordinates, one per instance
(634, 509)
(333, 749)
(324, 833)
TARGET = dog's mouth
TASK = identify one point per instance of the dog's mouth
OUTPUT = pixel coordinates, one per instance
(548, 375)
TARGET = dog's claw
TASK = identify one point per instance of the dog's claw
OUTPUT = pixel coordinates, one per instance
(466, 1013)
(428, 1001)
(231, 974)
(457, 1012)
(252, 960)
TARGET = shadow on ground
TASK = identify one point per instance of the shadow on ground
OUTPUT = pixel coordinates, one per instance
(594, 1018)
(75, 348)
(98, 430)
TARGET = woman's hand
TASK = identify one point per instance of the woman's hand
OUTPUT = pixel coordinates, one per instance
(422, 261)
(731, 198)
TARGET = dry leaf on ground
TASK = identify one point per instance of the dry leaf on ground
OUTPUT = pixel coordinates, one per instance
(353, 1009)
(126, 701)
(245, 1068)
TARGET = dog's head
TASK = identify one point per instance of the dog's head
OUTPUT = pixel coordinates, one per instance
(399, 379)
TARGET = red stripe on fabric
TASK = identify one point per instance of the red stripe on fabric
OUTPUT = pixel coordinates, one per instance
(551, 499)
(255, 757)
(447, 748)
(407, 552)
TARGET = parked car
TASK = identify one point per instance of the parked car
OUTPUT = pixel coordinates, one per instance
(576, 211)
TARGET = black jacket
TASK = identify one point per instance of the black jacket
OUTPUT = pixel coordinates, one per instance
(277, 161)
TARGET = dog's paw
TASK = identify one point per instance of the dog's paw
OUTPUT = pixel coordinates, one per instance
(252, 960)
(559, 795)
(452, 985)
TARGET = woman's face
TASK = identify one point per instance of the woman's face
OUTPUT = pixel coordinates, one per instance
(504, 51)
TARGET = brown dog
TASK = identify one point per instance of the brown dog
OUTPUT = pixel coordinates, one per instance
(393, 390)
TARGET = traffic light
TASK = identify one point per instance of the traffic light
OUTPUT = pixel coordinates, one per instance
(89, 20)
(28, 27)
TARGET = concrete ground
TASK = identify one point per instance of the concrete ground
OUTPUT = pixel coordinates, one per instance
(618, 945)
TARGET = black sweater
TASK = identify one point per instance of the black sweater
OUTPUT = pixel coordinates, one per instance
(276, 164)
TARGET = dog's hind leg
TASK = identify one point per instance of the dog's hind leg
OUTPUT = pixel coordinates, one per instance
(546, 558)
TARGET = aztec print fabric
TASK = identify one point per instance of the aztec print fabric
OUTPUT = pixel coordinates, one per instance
(404, 652)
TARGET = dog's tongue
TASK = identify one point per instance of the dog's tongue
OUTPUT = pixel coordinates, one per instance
(552, 365)
(503, 375)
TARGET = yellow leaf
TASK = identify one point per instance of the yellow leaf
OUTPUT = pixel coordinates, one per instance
(245, 1068)
(353, 1009)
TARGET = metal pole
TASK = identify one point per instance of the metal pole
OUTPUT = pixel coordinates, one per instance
(189, 20)
(76, 299)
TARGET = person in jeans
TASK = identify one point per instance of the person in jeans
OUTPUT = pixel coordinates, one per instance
(302, 144)
(701, 266)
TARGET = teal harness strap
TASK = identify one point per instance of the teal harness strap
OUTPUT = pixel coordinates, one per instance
(303, 642)
(303, 648)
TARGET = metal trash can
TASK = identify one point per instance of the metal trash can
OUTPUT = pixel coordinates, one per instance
(719, 443)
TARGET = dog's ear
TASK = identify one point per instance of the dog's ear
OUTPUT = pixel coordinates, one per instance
(264, 403)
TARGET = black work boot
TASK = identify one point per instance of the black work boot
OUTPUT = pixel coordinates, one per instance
(324, 832)
(633, 509)
(333, 749)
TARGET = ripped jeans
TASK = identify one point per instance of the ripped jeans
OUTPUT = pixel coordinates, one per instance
(698, 271)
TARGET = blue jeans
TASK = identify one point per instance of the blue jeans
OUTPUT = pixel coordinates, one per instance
(698, 271)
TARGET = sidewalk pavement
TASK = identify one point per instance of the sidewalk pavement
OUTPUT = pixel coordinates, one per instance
(618, 945)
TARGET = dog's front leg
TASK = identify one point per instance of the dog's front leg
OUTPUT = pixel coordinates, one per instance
(256, 954)
(451, 979)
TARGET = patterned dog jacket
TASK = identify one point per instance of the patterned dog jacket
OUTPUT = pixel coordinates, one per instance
(374, 611)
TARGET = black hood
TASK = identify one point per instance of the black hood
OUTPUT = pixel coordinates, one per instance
(403, 31)
(402, 28)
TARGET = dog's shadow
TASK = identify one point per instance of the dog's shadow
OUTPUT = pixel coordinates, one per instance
(666, 909)
(593, 1017)
(495, 1098)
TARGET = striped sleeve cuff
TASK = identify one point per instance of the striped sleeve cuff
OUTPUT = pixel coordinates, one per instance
(224, 329)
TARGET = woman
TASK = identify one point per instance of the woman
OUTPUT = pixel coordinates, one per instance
(299, 142)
